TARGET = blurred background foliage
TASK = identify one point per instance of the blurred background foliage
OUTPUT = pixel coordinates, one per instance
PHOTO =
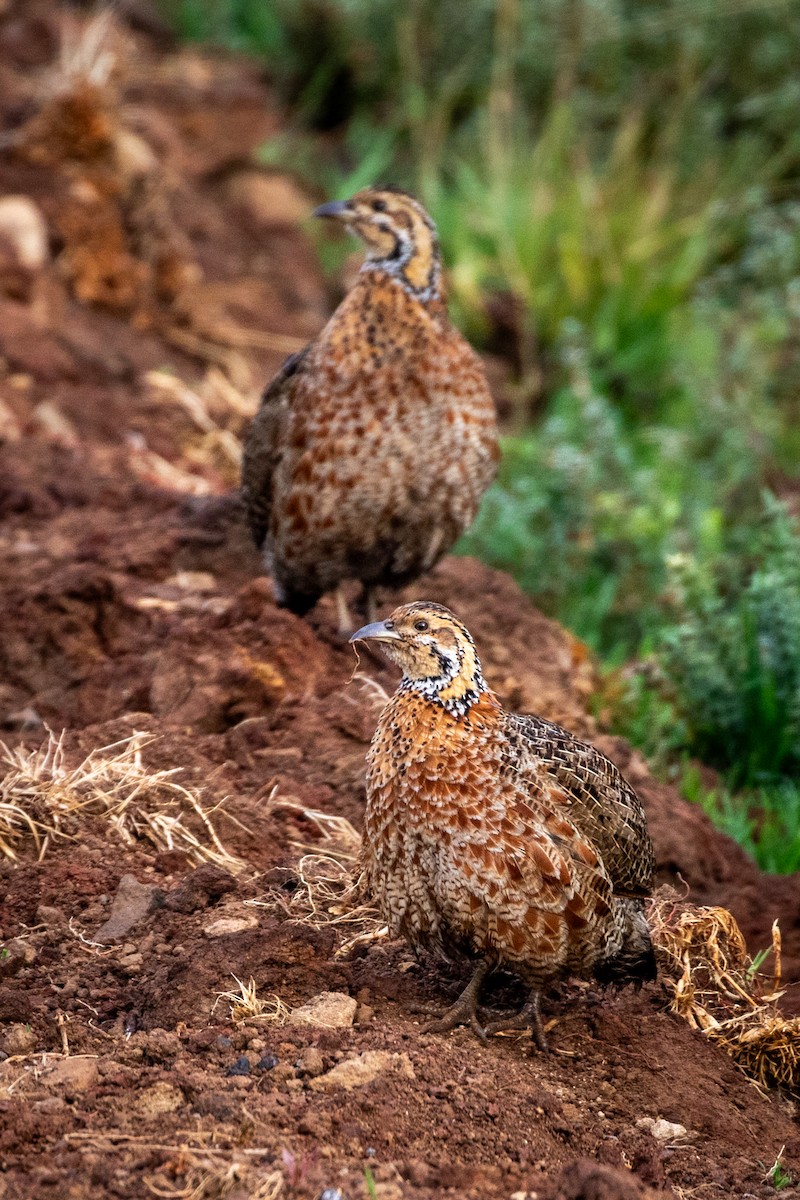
(617, 189)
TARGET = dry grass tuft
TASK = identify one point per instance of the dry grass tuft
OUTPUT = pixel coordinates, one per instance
(324, 886)
(247, 1005)
(86, 51)
(217, 413)
(717, 988)
(42, 799)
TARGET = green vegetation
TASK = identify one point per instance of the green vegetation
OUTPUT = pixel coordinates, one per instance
(616, 189)
(778, 1175)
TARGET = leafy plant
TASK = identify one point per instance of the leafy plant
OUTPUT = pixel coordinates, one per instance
(764, 821)
(733, 655)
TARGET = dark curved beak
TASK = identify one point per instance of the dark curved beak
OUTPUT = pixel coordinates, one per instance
(376, 632)
(338, 209)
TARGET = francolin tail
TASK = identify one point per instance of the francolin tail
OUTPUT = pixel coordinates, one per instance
(373, 446)
(498, 835)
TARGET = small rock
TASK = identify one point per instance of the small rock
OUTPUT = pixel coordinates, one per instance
(240, 1067)
(283, 1072)
(24, 229)
(73, 1076)
(663, 1131)
(20, 1039)
(161, 1098)
(50, 916)
(242, 1082)
(202, 887)
(48, 419)
(267, 1062)
(224, 926)
(223, 1042)
(355, 1072)
(328, 1010)
(311, 1062)
(135, 157)
(15, 955)
(50, 1104)
(193, 581)
(133, 902)
(332, 1194)
(131, 963)
(159, 1045)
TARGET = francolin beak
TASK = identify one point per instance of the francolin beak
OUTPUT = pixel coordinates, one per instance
(378, 631)
(338, 209)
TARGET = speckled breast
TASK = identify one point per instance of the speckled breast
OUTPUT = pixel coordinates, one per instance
(392, 442)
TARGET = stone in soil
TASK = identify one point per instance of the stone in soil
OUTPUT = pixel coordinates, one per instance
(133, 902)
(328, 1010)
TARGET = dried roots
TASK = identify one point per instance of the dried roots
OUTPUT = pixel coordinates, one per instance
(718, 989)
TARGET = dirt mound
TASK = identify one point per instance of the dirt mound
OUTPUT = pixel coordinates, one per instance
(171, 278)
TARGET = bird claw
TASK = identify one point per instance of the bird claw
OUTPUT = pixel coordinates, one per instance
(529, 1018)
(459, 1013)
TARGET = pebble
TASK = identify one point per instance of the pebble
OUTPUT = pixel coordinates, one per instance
(50, 1104)
(160, 1045)
(133, 902)
(663, 1131)
(267, 1062)
(161, 1098)
(240, 1067)
(310, 1062)
(24, 229)
(328, 1010)
(18, 954)
(72, 1076)
(20, 1039)
(363, 1068)
(131, 963)
(283, 1072)
(225, 926)
(242, 1082)
(50, 916)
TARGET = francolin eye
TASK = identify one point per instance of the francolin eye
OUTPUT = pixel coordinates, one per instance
(421, 626)
(379, 206)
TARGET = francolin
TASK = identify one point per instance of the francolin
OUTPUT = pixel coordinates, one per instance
(497, 835)
(373, 446)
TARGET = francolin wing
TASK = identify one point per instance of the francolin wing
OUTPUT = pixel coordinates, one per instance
(495, 834)
(372, 447)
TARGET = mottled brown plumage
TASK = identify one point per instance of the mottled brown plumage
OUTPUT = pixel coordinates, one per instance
(496, 834)
(373, 446)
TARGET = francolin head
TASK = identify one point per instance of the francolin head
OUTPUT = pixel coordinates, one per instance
(373, 446)
(497, 835)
